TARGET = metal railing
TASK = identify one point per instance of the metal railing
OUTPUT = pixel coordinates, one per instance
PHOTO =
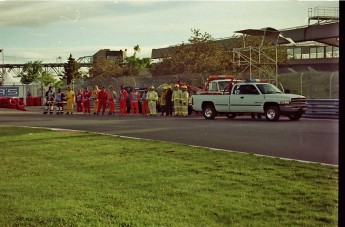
(322, 108)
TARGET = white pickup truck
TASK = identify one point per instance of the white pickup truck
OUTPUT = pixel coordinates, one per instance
(232, 99)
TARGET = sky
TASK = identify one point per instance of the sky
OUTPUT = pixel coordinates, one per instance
(47, 30)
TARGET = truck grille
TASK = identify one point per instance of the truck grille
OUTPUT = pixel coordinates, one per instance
(298, 101)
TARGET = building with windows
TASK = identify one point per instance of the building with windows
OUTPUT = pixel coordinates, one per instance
(313, 47)
(111, 55)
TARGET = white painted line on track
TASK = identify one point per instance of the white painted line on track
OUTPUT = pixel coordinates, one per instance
(195, 146)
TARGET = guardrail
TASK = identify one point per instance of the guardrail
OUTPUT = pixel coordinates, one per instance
(322, 108)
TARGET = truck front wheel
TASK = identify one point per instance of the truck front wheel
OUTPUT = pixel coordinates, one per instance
(209, 112)
(272, 113)
(295, 116)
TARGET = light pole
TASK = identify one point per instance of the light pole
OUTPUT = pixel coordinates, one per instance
(3, 64)
(135, 83)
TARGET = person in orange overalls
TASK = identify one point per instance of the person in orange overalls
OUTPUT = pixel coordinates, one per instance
(122, 100)
(112, 100)
(79, 100)
(95, 99)
(102, 100)
(87, 96)
(135, 96)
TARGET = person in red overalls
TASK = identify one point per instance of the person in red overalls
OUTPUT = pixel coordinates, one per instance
(112, 100)
(87, 96)
(135, 96)
(79, 100)
(122, 100)
(144, 103)
(102, 100)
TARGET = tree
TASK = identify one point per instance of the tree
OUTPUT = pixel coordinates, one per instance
(133, 64)
(200, 55)
(71, 70)
(46, 79)
(31, 71)
(101, 67)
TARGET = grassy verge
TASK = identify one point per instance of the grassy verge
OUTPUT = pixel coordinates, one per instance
(51, 178)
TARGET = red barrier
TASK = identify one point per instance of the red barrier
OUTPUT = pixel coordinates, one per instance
(20, 105)
(5, 102)
(12, 103)
(30, 101)
(37, 101)
(2, 102)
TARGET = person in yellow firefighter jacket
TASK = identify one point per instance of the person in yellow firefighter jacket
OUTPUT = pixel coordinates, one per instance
(94, 94)
(152, 98)
(176, 99)
(70, 97)
(184, 101)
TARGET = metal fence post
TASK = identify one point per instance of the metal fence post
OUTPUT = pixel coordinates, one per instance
(330, 85)
(302, 83)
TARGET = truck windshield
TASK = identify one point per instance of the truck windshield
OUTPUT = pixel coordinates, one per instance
(268, 89)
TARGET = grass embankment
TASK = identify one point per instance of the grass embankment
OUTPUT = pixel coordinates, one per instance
(68, 178)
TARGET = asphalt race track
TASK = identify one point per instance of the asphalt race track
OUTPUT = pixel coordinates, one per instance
(313, 140)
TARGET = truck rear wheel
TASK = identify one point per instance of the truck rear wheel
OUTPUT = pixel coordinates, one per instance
(231, 115)
(209, 112)
(272, 113)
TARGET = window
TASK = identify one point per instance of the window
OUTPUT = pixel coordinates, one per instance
(248, 89)
(297, 53)
(320, 52)
(336, 52)
(213, 87)
(305, 53)
(329, 52)
(313, 52)
(289, 53)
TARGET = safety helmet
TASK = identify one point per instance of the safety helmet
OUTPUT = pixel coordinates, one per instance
(184, 87)
(176, 85)
(152, 87)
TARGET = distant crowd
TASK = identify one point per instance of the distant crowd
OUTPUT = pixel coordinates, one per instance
(104, 100)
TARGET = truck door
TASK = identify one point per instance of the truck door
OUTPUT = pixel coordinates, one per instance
(246, 98)
(221, 101)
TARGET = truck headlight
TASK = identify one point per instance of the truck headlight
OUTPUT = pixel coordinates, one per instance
(285, 102)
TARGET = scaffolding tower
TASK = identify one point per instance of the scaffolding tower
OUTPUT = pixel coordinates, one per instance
(258, 58)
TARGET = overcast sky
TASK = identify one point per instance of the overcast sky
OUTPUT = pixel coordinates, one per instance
(46, 30)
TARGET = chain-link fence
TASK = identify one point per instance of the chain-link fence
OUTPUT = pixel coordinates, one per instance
(313, 85)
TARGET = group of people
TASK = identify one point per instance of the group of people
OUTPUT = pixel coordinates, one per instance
(102, 98)
(177, 100)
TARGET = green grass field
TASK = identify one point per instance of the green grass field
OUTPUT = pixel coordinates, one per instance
(51, 178)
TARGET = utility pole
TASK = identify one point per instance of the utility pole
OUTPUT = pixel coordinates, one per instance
(3, 65)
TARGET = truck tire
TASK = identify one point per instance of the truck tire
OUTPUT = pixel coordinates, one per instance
(295, 116)
(272, 113)
(209, 112)
(231, 115)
